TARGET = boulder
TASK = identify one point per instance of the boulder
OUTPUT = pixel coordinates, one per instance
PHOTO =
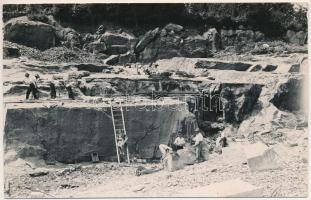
(146, 39)
(260, 157)
(234, 154)
(288, 95)
(187, 155)
(194, 47)
(213, 39)
(116, 38)
(30, 33)
(299, 37)
(173, 27)
(117, 49)
(239, 100)
(70, 37)
(266, 122)
(95, 47)
(161, 48)
(10, 52)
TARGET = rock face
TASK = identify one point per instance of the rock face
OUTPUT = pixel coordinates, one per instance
(268, 120)
(239, 100)
(288, 96)
(175, 41)
(194, 47)
(74, 132)
(96, 47)
(118, 43)
(69, 37)
(30, 33)
(236, 37)
(299, 37)
(146, 39)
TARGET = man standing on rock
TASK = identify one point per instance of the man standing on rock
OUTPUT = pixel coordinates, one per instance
(198, 139)
(52, 89)
(31, 83)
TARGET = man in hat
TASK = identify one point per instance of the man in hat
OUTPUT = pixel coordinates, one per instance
(198, 139)
(179, 141)
(32, 86)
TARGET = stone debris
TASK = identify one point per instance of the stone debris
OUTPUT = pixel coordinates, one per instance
(230, 188)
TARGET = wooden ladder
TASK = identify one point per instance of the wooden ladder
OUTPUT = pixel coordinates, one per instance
(118, 123)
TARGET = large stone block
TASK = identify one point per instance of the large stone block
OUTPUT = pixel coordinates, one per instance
(260, 157)
(234, 154)
(230, 188)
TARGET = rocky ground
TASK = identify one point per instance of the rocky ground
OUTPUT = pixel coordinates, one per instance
(112, 180)
(263, 85)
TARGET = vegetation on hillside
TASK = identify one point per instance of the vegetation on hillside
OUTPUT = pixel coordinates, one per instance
(273, 19)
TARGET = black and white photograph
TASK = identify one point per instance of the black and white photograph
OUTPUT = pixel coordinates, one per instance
(124, 100)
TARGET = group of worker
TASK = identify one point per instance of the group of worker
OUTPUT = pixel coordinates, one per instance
(180, 143)
(32, 87)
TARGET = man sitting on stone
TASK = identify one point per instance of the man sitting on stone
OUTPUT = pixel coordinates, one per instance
(179, 142)
(198, 139)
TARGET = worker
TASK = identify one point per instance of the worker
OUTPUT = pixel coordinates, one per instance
(191, 101)
(35, 83)
(221, 142)
(52, 89)
(165, 150)
(32, 86)
(179, 142)
(122, 145)
(70, 91)
(198, 139)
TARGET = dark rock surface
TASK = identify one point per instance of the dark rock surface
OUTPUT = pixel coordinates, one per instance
(30, 33)
(71, 134)
(10, 52)
(239, 100)
(288, 96)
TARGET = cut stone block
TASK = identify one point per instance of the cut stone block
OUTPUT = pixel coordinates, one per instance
(260, 157)
(234, 154)
(230, 188)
